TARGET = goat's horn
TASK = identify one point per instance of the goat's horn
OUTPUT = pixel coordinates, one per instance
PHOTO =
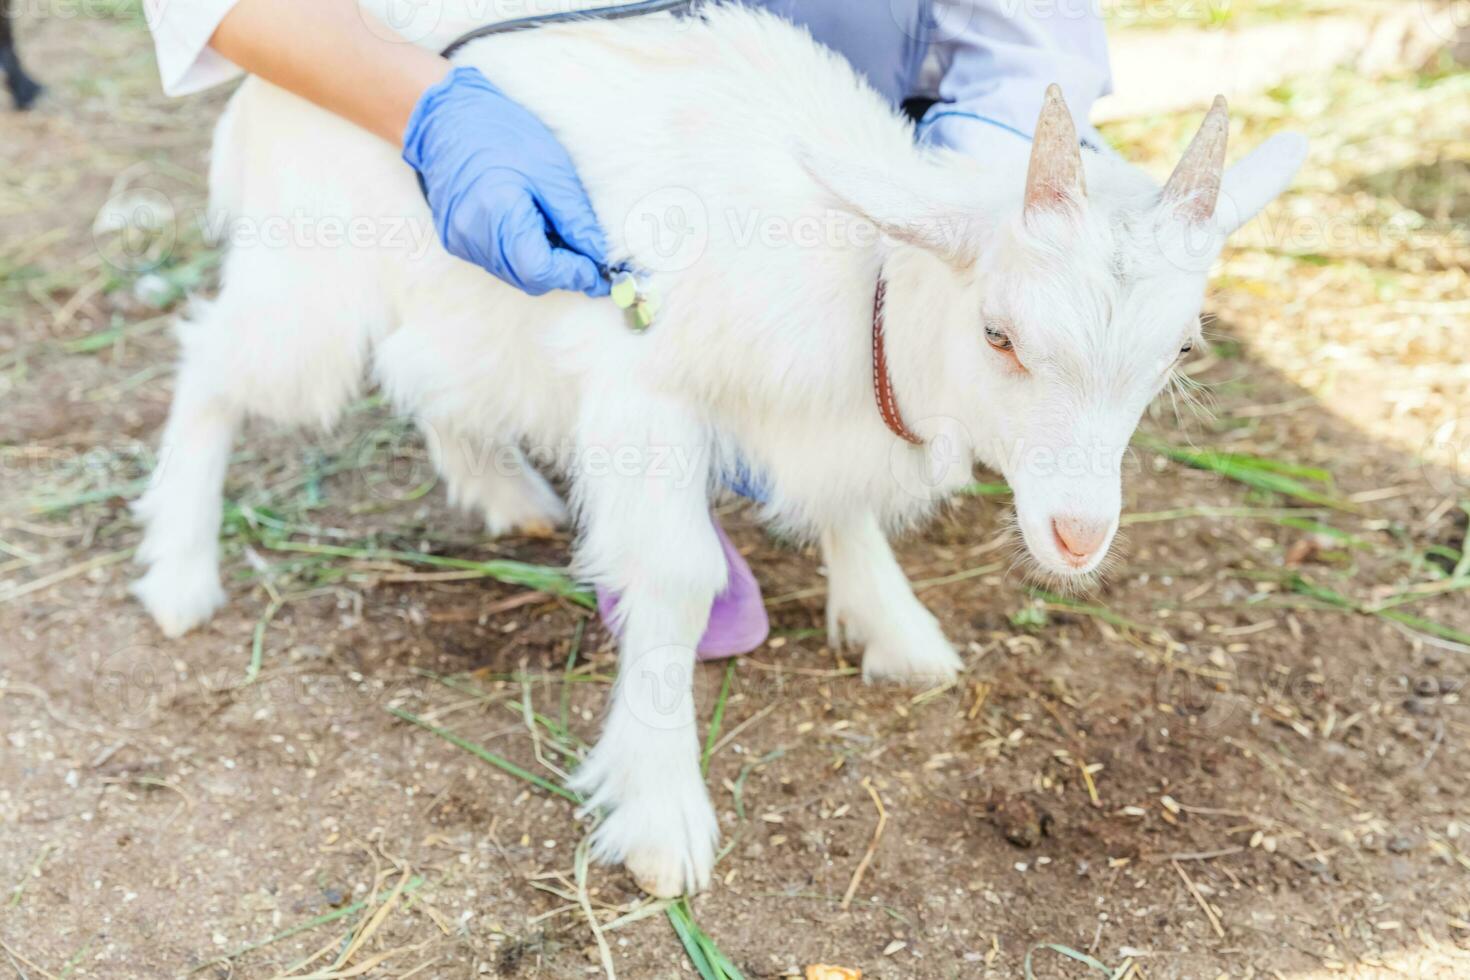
(1194, 187)
(1054, 177)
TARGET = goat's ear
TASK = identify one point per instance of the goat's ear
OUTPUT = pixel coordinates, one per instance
(1255, 181)
(1054, 179)
(913, 211)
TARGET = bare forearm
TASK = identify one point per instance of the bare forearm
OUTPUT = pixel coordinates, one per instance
(330, 53)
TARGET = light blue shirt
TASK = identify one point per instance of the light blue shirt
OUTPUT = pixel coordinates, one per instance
(988, 62)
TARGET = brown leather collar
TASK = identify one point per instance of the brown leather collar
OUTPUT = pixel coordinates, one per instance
(882, 383)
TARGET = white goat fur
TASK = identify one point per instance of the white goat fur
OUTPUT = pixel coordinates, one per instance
(760, 344)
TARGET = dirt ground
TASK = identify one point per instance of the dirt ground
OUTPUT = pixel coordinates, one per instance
(1242, 755)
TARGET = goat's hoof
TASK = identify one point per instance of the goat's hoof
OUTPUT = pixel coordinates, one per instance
(668, 847)
(903, 646)
(659, 874)
(917, 658)
(534, 511)
(537, 529)
(662, 830)
(180, 593)
(906, 670)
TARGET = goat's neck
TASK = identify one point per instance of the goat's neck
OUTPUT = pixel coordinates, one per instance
(927, 319)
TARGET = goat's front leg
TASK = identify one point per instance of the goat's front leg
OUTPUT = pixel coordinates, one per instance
(870, 604)
(642, 494)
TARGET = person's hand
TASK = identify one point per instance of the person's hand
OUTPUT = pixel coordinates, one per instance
(500, 186)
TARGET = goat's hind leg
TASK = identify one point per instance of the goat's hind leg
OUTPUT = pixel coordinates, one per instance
(495, 481)
(182, 507)
(292, 363)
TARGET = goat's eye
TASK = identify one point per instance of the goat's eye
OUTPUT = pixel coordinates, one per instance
(998, 338)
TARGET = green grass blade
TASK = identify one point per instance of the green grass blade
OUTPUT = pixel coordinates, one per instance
(325, 919)
(1270, 475)
(719, 960)
(1275, 514)
(1337, 600)
(1326, 531)
(257, 641)
(717, 719)
(981, 489)
(486, 755)
(562, 738)
(683, 923)
(1300, 584)
(1063, 604)
(1430, 591)
(52, 506)
(542, 578)
(1427, 626)
(1071, 953)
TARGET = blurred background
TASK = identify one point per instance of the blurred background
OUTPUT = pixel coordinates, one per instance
(1244, 755)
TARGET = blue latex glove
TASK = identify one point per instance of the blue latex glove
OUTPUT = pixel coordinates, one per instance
(500, 186)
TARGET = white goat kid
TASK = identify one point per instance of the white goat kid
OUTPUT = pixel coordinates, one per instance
(1033, 308)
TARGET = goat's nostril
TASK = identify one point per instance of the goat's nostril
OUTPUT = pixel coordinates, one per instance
(1078, 538)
